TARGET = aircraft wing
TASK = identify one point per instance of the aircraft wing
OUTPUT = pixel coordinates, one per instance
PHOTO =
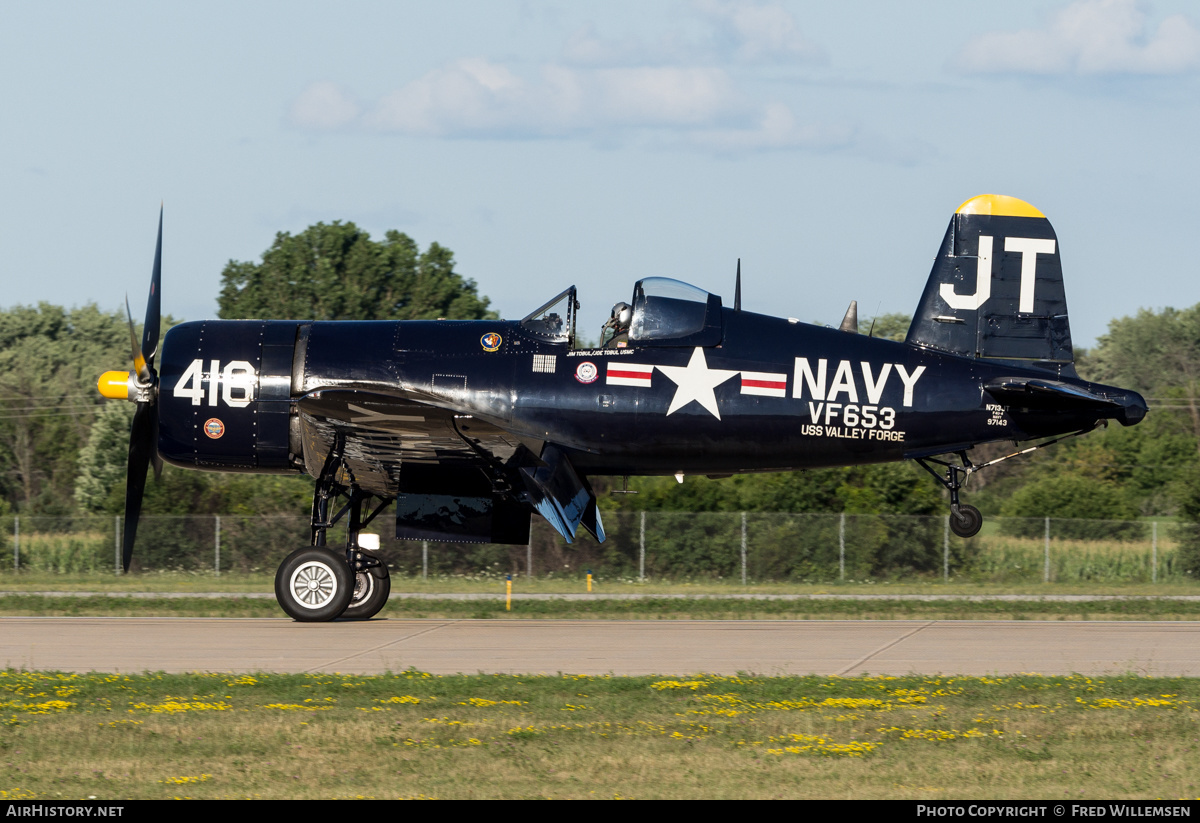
(445, 467)
(382, 432)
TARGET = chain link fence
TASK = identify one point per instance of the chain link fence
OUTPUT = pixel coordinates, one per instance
(745, 547)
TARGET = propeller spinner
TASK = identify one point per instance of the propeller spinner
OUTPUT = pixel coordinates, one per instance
(140, 386)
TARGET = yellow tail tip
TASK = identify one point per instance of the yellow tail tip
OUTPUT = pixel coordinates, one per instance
(999, 205)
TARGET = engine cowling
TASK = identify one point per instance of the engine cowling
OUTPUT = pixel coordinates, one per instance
(224, 395)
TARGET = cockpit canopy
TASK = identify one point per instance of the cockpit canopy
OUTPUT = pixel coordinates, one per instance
(666, 312)
(669, 312)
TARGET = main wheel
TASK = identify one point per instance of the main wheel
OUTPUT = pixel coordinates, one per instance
(966, 522)
(371, 589)
(314, 584)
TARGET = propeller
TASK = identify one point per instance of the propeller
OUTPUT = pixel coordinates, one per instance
(142, 387)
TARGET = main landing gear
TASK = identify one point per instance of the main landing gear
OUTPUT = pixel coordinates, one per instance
(317, 583)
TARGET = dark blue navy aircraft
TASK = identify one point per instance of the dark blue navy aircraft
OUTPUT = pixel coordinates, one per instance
(470, 427)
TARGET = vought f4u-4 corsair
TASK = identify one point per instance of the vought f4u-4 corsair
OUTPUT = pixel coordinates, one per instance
(471, 427)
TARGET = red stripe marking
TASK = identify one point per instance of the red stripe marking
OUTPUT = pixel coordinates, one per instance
(639, 375)
(765, 384)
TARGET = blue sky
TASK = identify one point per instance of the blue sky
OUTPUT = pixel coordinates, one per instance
(826, 144)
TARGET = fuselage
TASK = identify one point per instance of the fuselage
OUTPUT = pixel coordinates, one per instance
(773, 394)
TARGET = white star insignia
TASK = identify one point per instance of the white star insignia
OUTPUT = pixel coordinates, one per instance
(696, 381)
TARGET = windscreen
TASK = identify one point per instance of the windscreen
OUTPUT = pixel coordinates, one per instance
(555, 320)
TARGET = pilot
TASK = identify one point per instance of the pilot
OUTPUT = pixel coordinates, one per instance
(618, 326)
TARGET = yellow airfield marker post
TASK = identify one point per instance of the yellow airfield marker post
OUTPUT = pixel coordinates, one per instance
(508, 594)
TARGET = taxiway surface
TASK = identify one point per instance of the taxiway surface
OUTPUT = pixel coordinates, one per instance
(600, 647)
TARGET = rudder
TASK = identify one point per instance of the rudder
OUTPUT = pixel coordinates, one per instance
(996, 289)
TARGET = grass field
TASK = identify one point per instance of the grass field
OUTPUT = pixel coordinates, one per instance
(413, 735)
(115, 596)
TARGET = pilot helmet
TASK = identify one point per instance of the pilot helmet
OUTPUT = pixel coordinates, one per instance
(622, 313)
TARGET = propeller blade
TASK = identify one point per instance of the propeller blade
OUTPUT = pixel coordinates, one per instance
(155, 458)
(154, 302)
(141, 449)
(139, 362)
(143, 434)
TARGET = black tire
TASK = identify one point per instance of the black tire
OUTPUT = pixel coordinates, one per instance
(966, 522)
(371, 590)
(314, 585)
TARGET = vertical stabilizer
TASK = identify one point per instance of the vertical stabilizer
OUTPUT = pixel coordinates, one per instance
(996, 288)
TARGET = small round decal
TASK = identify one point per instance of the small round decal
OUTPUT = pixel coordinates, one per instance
(586, 372)
(214, 428)
(491, 341)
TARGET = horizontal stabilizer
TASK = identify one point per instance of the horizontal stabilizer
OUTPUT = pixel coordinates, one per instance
(1052, 395)
(1042, 394)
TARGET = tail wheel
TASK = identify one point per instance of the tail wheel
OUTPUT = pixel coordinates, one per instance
(371, 590)
(965, 520)
(314, 585)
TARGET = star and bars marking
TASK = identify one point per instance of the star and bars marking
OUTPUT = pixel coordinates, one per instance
(696, 381)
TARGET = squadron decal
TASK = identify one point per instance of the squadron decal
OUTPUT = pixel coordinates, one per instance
(491, 341)
(586, 372)
(851, 420)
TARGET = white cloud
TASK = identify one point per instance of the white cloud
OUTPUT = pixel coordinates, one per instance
(476, 97)
(1090, 37)
(323, 105)
(585, 47)
(757, 32)
(469, 95)
(675, 92)
(776, 129)
(664, 96)
(732, 31)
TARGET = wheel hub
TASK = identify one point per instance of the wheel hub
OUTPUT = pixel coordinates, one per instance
(313, 585)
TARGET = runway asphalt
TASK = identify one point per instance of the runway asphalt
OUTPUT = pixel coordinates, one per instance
(596, 647)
